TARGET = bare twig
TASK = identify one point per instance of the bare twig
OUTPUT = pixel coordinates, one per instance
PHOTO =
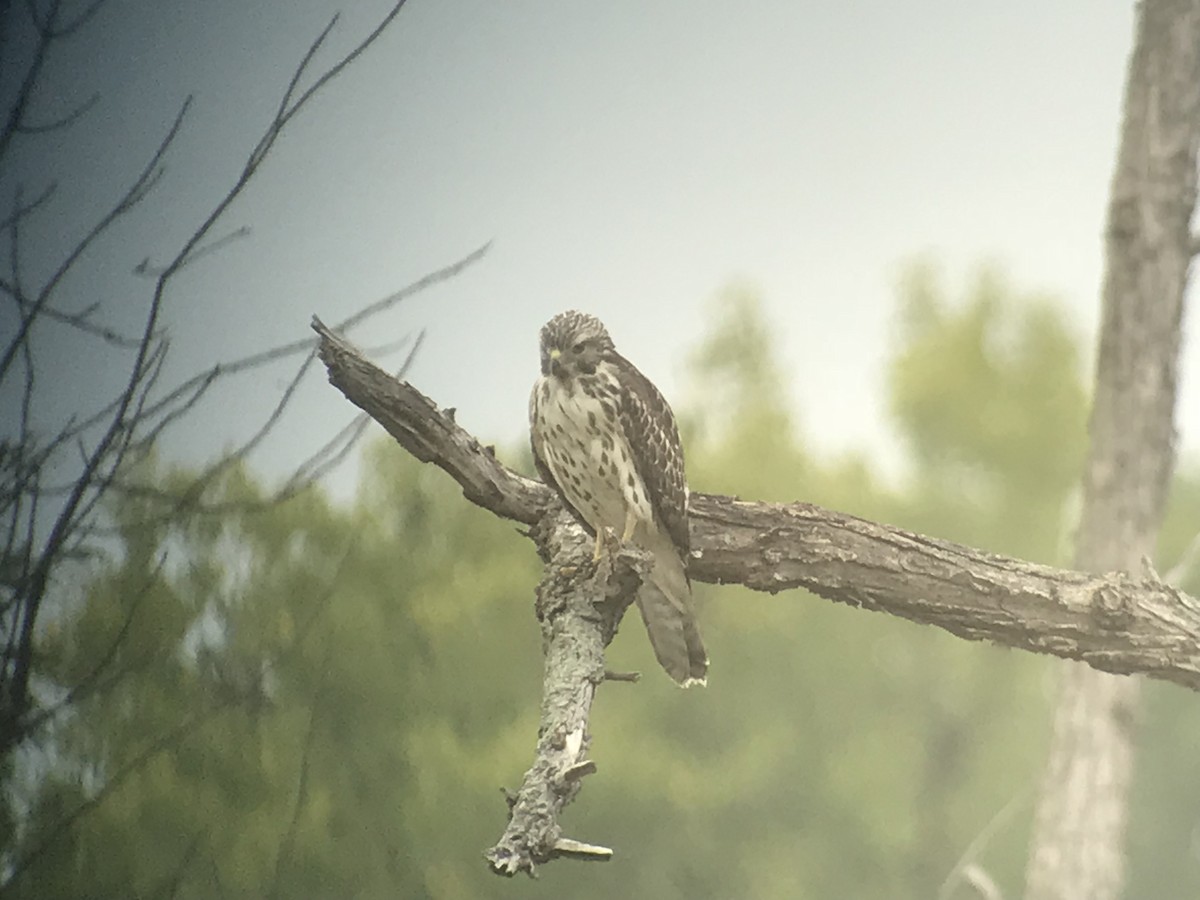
(415, 288)
(983, 883)
(966, 862)
(64, 121)
(80, 322)
(91, 682)
(294, 348)
(318, 463)
(65, 29)
(21, 210)
(137, 192)
(33, 71)
(145, 268)
(1187, 560)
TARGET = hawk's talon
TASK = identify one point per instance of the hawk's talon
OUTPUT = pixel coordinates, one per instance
(606, 544)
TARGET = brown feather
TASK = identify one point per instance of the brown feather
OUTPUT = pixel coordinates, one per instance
(581, 369)
(653, 437)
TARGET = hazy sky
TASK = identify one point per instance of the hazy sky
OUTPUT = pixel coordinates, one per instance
(627, 158)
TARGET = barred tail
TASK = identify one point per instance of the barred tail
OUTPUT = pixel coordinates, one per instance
(665, 601)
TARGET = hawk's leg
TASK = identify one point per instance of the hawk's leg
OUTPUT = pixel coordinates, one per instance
(630, 524)
(604, 537)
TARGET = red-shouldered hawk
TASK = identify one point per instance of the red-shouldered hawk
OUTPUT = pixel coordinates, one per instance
(605, 438)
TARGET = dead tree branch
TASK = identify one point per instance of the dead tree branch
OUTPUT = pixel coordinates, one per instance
(579, 605)
(1116, 622)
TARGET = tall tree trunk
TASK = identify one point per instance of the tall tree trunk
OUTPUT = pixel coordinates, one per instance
(1077, 849)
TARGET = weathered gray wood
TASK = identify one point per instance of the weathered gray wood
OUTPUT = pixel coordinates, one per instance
(1077, 849)
(1114, 622)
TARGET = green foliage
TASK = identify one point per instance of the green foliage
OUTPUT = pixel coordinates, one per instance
(292, 697)
(899, 744)
(743, 406)
(989, 396)
(321, 700)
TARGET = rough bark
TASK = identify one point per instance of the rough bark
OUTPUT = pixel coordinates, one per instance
(1118, 623)
(1077, 849)
(579, 605)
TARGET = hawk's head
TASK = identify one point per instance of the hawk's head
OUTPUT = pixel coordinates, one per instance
(574, 343)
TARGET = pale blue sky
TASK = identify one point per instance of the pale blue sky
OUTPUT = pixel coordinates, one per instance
(627, 158)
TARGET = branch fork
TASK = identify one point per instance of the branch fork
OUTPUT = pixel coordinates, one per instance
(1116, 622)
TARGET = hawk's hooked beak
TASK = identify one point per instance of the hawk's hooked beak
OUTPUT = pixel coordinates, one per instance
(555, 365)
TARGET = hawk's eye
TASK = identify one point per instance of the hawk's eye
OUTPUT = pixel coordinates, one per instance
(577, 348)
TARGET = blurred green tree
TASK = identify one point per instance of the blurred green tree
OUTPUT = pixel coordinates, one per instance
(307, 704)
(320, 700)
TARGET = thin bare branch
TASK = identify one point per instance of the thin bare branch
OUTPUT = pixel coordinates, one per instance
(21, 210)
(63, 121)
(415, 288)
(20, 105)
(79, 320)
(982, 883)
(298, 72)
(189, 499)
(82, 498)
(1182, 569)
(29, 374)
(137, 192)
(145, 267)
(1002, 817)
(333, 71)
(65, 29)
(274, 129)
(13, 285)
(292, 348)
(339, 446)
(122, 432)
